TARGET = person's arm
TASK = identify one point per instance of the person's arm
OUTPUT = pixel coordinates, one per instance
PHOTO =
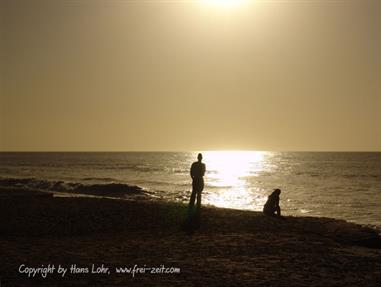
(277, 201)
(192, 171)
(203, 169)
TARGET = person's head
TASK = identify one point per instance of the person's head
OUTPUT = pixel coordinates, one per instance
(199, 157)
(277, 191)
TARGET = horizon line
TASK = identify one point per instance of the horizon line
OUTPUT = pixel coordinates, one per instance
(192, 151)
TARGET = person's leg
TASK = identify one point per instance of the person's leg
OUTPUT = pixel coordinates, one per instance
(199, 198)
(269, 211)
(200, 188)
(193, 197)
(278, 211)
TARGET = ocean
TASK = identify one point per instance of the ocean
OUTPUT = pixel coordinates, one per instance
(342, 185)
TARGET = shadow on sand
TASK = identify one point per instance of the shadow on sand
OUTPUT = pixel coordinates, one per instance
(193, 221)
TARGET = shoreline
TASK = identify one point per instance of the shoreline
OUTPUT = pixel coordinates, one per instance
(136, 193)
(229, 246)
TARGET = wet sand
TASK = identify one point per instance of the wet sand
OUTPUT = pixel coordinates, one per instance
(230, 247)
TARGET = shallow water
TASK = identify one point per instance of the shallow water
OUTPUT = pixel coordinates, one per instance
(339, 185)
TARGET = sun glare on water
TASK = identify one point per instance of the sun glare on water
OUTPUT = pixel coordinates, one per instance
(227, 176)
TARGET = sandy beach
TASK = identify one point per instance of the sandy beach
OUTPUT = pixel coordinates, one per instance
(149, 240)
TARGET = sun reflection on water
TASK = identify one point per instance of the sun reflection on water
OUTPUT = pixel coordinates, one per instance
(227, 178)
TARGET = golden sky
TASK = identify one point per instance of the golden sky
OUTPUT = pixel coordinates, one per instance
(190, 75)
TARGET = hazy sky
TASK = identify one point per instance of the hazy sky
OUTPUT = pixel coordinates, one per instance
(190, 75)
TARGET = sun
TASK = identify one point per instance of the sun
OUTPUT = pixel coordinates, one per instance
(224, 3)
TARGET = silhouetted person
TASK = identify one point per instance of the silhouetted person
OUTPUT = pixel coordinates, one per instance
(197, 173)
(272, 204)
